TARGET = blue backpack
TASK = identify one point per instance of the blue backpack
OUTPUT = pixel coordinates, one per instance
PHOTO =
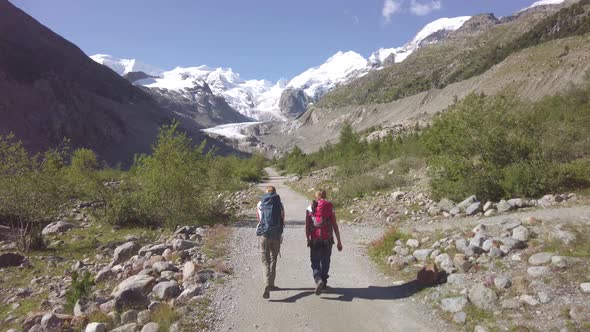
(271, 211)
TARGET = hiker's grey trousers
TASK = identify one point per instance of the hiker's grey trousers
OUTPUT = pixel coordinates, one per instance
(270, 251)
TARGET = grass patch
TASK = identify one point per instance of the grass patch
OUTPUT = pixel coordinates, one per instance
(215, 247)
(165, 316)
(381, 248)
(580, 247)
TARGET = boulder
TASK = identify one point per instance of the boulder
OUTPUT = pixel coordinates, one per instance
(541, 258)
(502, 282)
(96, 327)
(151, 327)
(164, 266)
(157, 249)
(205, 275)
(460, 317)
(189, 292)
(179, 244)
(413, 243)
(511, 243)
(125, 251)
(166, 290)
(129, 316)
(455, 211)
(512, 303)
(132, 292)
(144, 317)
(490, 212)
(189, 271)
(504, 206)
(528, 299)
(422, 254)
(538, 271)
(453, 304)
(104, 274)
(488, 206)
(132, 327)
(446, 204)
(457, 279)
(520, 233)
(467, 202)
(562, 261)
(580, 313)
(461, 263)
(11, 259)
(585, 287)
(518, 203)
(57, 227)
(473, 209)
(482, 297)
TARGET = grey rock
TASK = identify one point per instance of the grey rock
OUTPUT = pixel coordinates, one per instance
(131, 293)
(528, 299)
(115, 318)
(467, 202)
(453, 304)
(51, 321)
(503, 282)
(132, 327)
(206, 275)
(422, 254)
(512, 243)
(541, 258)
(402, 251)
(174, 327)
(82, 307)
(446, 204)
(57, 227)
(482, 297)
(445, 262)
(496, 253)
(457, 279)
(478, 240)
(580, 313)
(129, 316)
(490, 212)
(157, 249)
(520, 233)
(488, 206)
(179, 244)
(473, 209)
(538, 271)
(413, 243)
(461, 244)
(125, 251)
(144, 317)
(166, 290)
(487, 244)
(479, 328)
(562, 261)
(96, 327)
(164, 266)
(104, 274)
(544, 297)
(504, 206)
(151, 327)
(460, 317)
(189, 292)
(509, 225)
(585, 287)
(512, 303)
(154, 306)
(472, 250)
(461, 263)
(518, 203)
(455, 211)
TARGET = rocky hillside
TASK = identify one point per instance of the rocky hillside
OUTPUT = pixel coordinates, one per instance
(50, 90)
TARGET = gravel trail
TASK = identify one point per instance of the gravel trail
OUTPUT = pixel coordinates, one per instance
(360, 298)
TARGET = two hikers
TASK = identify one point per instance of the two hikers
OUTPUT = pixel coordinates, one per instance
(320, 227)
(270, 214)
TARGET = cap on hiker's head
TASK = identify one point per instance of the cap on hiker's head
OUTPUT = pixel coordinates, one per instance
(271, 190)
(321, 194)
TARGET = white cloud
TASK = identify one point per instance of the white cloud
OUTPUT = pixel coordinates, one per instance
(390, 7)
(426, 8)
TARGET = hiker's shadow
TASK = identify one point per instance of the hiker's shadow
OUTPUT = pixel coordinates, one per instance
(368, 293)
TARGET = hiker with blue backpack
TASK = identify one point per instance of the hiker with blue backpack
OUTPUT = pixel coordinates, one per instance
(320, 227)
(271, 221)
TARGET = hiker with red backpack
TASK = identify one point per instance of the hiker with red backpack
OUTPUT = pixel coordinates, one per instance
(320, 227)
(271, 222)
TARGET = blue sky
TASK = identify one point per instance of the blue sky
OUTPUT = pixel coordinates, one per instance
(257, 38)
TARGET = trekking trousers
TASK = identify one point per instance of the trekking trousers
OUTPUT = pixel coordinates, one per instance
(270, 249)
(320, 261)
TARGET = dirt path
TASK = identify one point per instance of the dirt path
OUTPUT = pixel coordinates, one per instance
(360, 299)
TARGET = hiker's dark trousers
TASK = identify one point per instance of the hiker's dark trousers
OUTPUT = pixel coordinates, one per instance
(320, 261)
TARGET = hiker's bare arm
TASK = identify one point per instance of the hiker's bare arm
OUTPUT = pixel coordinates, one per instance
(337, 232)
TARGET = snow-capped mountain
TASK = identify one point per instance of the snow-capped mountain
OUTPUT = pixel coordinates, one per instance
(339, 68)
(431, 33)
(261, 99)
(126, 66)
(544, 3)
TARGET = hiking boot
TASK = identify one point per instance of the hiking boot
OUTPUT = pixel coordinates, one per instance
(266, 293)
(319, 287)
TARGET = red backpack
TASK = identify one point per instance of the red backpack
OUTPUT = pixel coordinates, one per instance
(321, 221)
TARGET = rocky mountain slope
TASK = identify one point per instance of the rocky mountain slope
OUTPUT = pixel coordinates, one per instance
(50, 90)
(538, 63)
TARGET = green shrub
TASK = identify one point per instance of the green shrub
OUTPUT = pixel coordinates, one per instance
(80, 289)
